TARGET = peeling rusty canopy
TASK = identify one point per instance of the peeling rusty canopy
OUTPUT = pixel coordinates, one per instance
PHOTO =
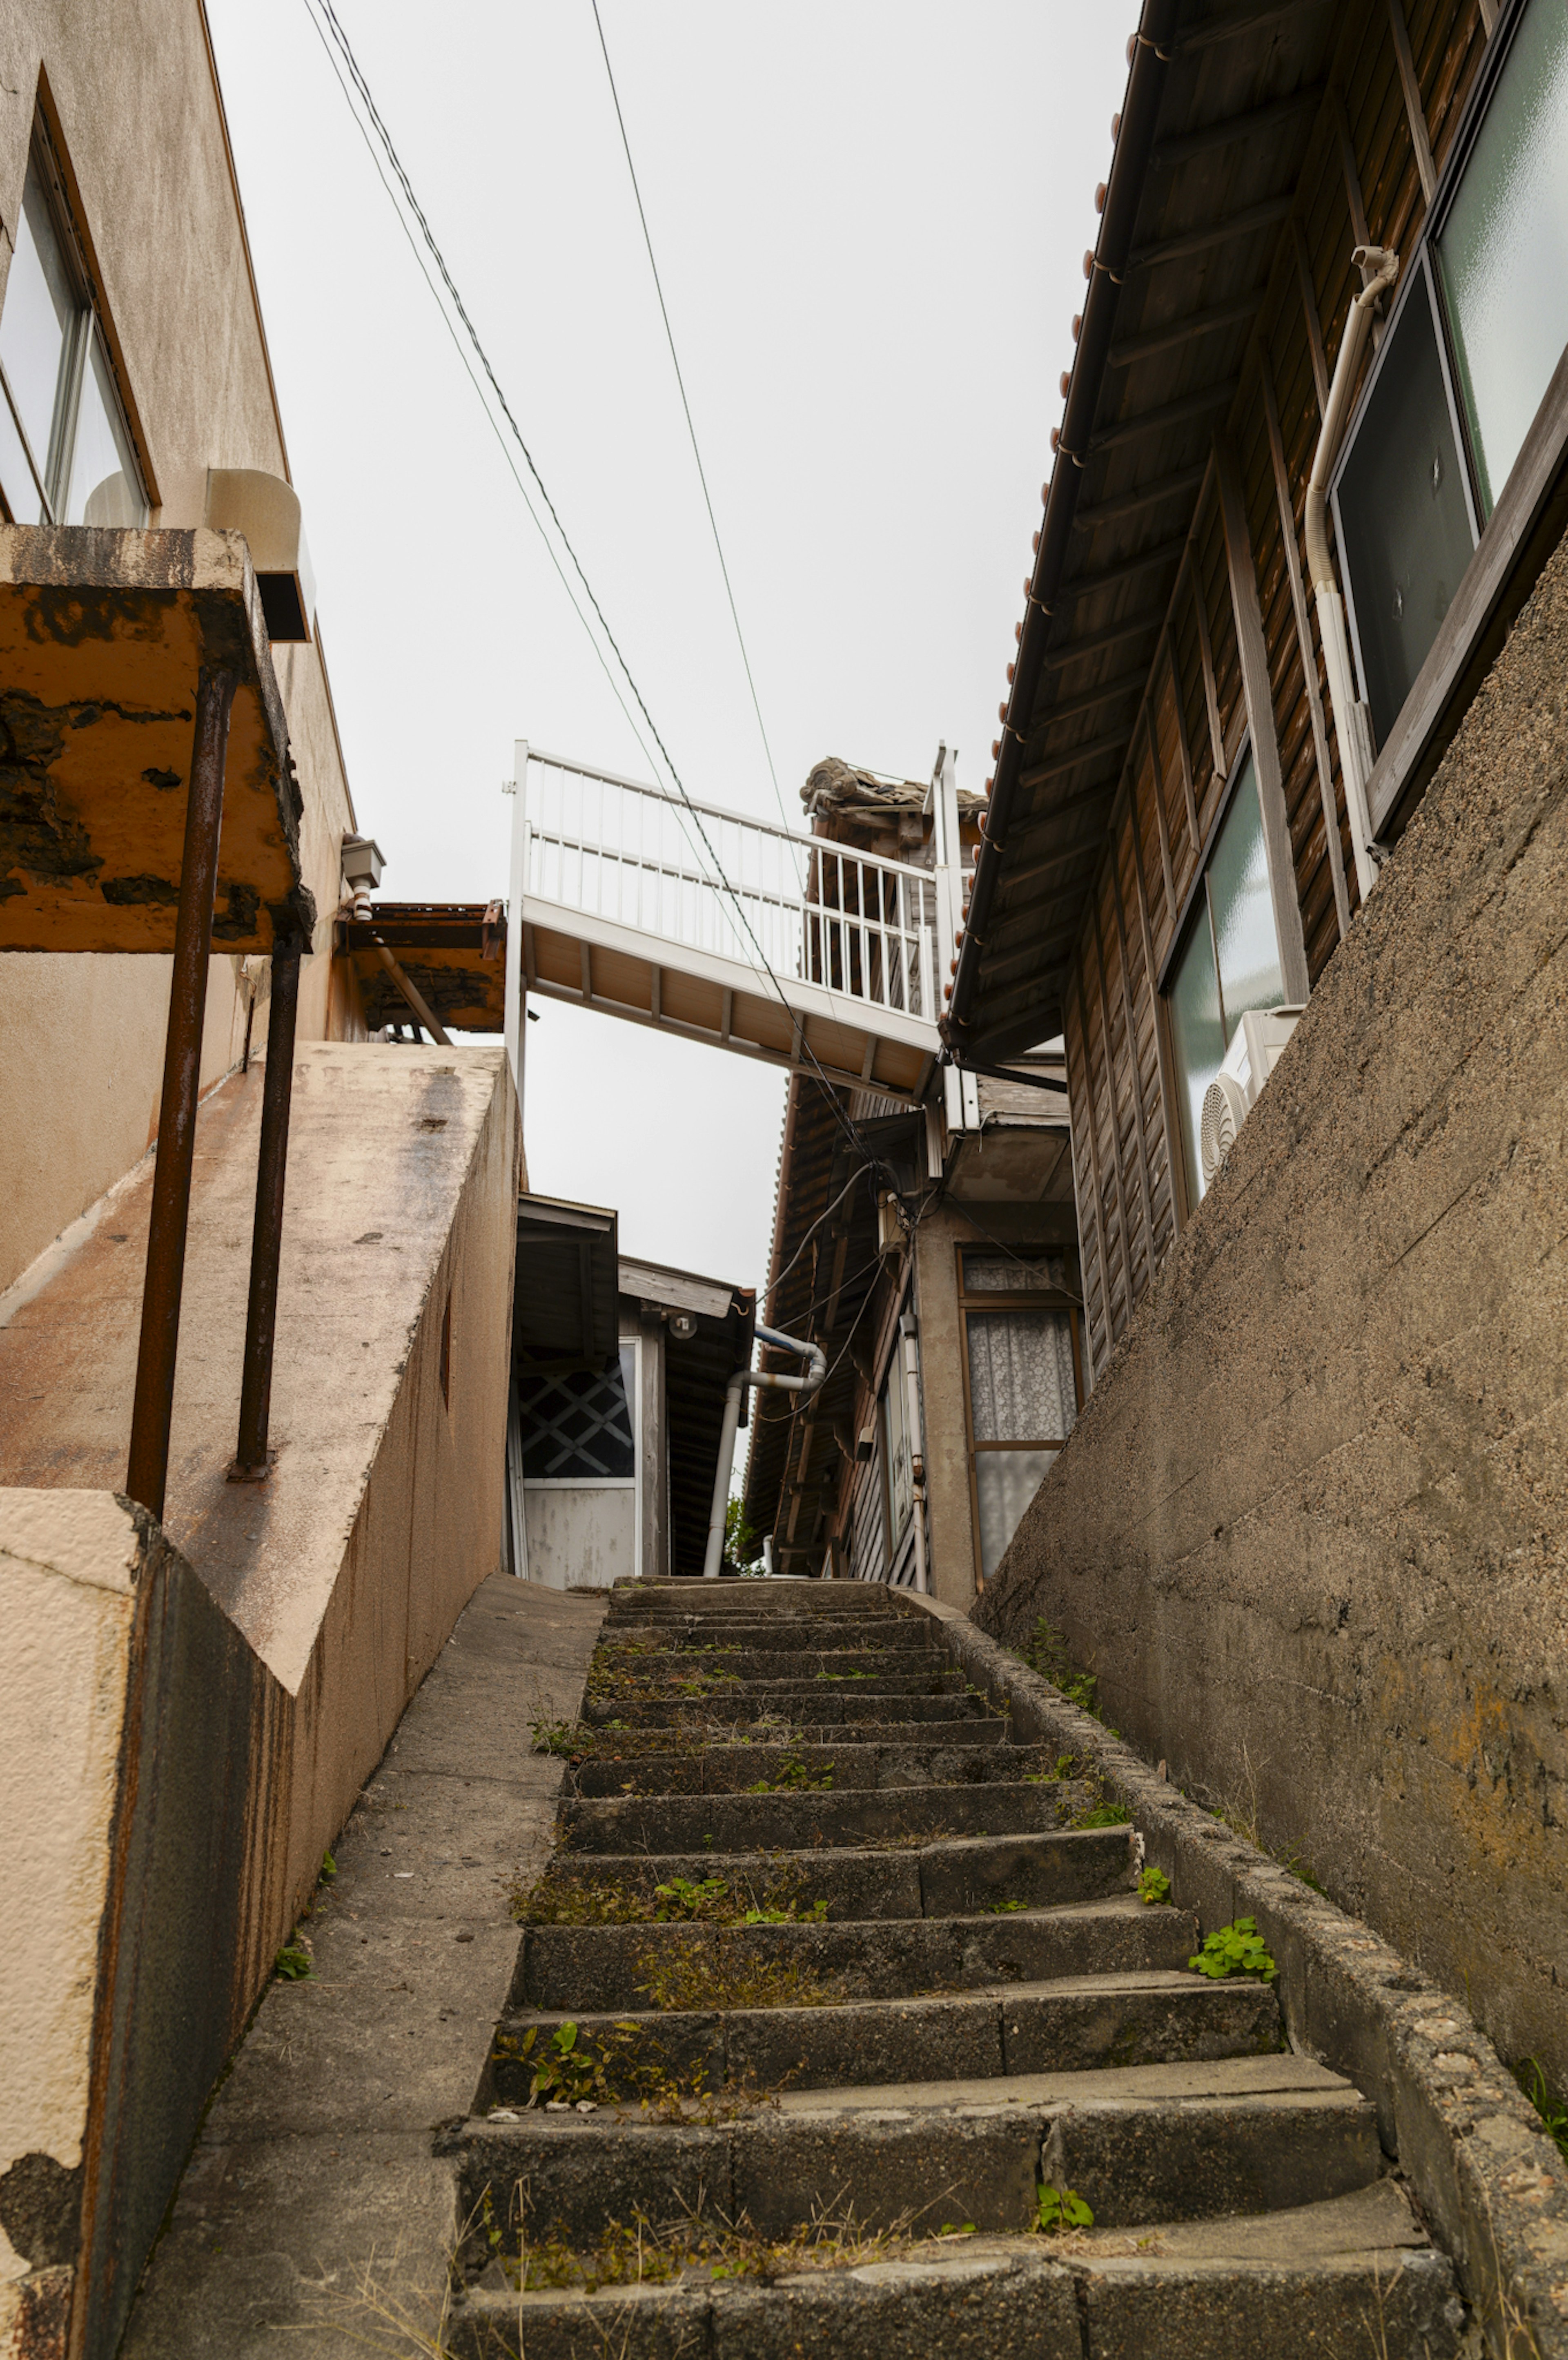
(104, 637)
(452, 953)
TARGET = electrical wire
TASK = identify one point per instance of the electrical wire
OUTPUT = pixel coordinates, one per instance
(772, 1290)
(690, 427)
(329, 14)
(468, 371)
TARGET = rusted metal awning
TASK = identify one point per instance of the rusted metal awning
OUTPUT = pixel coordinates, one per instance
(453, 952)
(105, 636)
(147, 803)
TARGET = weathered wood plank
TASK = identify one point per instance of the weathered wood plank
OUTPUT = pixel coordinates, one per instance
(1255, 689)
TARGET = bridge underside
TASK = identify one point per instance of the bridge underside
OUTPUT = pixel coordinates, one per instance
(703, 996)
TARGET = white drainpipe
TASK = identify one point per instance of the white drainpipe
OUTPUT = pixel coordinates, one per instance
(1379, 267)
(764, 1380)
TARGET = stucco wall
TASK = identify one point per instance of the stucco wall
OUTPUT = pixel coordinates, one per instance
(161, 221)
(1311, 1530)
(179, 1747)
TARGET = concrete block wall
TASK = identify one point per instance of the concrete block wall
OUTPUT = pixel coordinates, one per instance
(1311, 1532)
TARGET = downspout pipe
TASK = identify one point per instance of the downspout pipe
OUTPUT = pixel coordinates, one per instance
(1379, 267)
(1153, 46)
(763, 1379)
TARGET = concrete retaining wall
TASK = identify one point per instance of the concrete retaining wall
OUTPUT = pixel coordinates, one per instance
(183, 1734)
(1491, 2184)
(1311, 1532)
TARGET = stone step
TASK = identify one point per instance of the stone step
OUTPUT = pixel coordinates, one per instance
(774, 1592)
(1082, 2022)
(1351, 2277)
(850, 1766)
(889, 1634)
(564, 1969)
(946, 1878)
(1140, 2144)
(759, 1665)
(822, 1702)
(730, 1822)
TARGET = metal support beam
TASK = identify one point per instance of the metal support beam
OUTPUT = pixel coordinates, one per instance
(252, 1463)
(152, 1414)
(415, 998)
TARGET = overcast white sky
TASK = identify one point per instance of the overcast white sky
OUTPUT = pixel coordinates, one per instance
(869, 217)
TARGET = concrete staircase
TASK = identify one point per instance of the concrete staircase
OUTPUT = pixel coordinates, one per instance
(861, 1996)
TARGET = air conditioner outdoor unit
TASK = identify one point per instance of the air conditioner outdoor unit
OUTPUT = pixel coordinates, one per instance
(1253, 1053)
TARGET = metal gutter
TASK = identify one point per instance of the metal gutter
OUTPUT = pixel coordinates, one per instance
(1154, 47)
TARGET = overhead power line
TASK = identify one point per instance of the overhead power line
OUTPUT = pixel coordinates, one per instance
(322, 12)
(691, 426)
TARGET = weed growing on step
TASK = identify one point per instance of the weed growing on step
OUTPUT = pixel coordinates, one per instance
(725, 1977)
(1552, 2112)
(1154, 1888)
(1103, 1815)
(795, 1778)
(559, 1899)
(1237, 1949)
(292, 1964)
(644, 2255)
(1045, 1652)
(1061, 2209)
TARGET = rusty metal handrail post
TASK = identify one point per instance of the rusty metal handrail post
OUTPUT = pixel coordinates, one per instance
(147, 1472)
(252, 1464)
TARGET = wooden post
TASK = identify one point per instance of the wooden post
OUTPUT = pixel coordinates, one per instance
(1145, 1178)
(1161, 1047)
(1093, 1171)
(1410, 82)
(1167, 870)
(1183, 747)
(1304, 641)
(1111, 1096)
(1309, 308)
(1257, 691)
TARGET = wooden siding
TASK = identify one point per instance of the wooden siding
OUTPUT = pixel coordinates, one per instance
(1363, 182)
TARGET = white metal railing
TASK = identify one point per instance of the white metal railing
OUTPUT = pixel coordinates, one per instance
(617, 849)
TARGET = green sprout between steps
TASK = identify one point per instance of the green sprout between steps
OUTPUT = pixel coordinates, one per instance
(292, 1964)
(1062, 2209)
(1104, 1815)
(1153, 1886)
(1236, 1950)
(795, 1778)
(1553, 2114)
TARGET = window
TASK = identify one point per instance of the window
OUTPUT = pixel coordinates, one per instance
(65, 450)
(1480, 324)
(1020, 1346)
(577, 1428)
(1503, 248)
(1402, 506)
(1228, 963)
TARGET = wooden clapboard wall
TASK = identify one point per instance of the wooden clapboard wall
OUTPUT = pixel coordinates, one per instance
(1400, 78)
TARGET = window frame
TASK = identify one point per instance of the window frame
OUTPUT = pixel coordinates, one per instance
(1420, 265)
(892, 1381)
(632, 1344)
(1418, 273)
(980, 1299)
(88, 332)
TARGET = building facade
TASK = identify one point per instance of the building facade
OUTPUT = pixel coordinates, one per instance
(1274, 837)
